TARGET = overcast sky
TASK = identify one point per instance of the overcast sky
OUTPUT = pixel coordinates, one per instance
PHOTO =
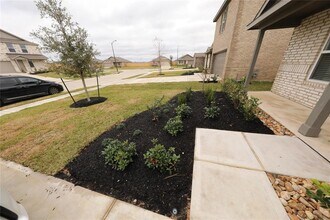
(186, 24)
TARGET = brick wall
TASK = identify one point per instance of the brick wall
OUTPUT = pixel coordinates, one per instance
(305, 45)
(240, 42)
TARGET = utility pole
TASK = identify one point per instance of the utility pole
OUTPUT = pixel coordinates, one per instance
(114, 56)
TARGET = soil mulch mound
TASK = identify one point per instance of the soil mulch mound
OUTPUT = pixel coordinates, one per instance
(140, 185)
(84, 103)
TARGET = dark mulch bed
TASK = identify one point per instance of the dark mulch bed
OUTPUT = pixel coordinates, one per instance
(84, 103)
(145, 187)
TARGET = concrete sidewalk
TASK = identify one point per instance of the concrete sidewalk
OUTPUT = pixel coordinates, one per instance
(229, 179)
(292, 115)
(47, 197)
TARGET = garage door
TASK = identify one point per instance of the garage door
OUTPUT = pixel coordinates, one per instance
(219, 64)
(6, 67)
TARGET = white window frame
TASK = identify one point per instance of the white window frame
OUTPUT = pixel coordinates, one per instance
(323, 51)
(23, 47)
(12, 47)
(223, 21)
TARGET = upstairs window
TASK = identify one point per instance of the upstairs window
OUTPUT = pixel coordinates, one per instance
(223, 20)
(321, 70)
(10, 47)
(23, 48)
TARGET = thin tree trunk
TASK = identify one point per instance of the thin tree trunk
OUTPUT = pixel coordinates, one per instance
(85, 88)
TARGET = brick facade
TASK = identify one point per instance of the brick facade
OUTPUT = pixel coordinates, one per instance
(292, 80)
(240, 43)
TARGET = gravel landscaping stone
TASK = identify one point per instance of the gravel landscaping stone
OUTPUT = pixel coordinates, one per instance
(274, 125)
(294, 199)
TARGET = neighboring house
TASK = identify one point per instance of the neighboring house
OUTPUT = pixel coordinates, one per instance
(304, 74)
(185, 60)
(208, 60)
(19, 56)
(233, 44)
(164, 61)
(199, 60)
(111, 61)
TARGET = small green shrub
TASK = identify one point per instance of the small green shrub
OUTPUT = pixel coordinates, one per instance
(238, 95)
(212, 112)
(155, 108)
(160, 158)
(137, 132)
(118, 154)
(210, 95)
(182, 98)
(189, 93)
(120, 126)
(183, 110)
(249, 108)
(174, 126)
(322, 193)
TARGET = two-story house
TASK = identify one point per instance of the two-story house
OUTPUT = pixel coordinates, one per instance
(18, 55)
(233, 44)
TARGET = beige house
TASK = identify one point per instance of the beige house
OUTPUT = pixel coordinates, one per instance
(233, 44)
(304, 73)
(164, 61)
(185, 60)
(19, 56)
(111, 61)
(199, 60)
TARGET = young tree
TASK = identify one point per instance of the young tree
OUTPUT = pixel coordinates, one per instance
(66, 39)
(159, 47)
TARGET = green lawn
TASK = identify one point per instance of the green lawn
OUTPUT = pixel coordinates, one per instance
(45, 138)
(166, 73)
(106, 71)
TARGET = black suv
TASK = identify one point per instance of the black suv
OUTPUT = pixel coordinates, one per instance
(14, 88)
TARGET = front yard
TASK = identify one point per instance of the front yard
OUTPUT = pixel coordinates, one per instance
(166, 73)
(50, 138)
(106, 71)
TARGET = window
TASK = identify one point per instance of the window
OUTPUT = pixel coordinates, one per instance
(31, 64)
(23, 48)
(223, 20)
(10, 47)
(321, 70)
(7, 82)
(28, 80)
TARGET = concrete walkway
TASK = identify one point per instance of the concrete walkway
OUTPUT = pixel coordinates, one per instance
(292, 115)
(47, 197)
(114, 79)
(229, 179)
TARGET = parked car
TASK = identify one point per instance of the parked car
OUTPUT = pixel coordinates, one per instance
(9, 208)
(14, 88)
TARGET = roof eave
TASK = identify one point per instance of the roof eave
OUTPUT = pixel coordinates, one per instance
(222, 8)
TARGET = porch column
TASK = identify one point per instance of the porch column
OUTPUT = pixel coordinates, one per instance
(321, 111)
(255, 56)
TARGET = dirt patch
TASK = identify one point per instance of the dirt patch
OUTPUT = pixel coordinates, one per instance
(145, 187)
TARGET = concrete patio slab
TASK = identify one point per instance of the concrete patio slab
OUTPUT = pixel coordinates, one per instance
(123, 210)
(224, 147)
(292, 117)
(47, 197)
(223, 192)
(289, 156)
